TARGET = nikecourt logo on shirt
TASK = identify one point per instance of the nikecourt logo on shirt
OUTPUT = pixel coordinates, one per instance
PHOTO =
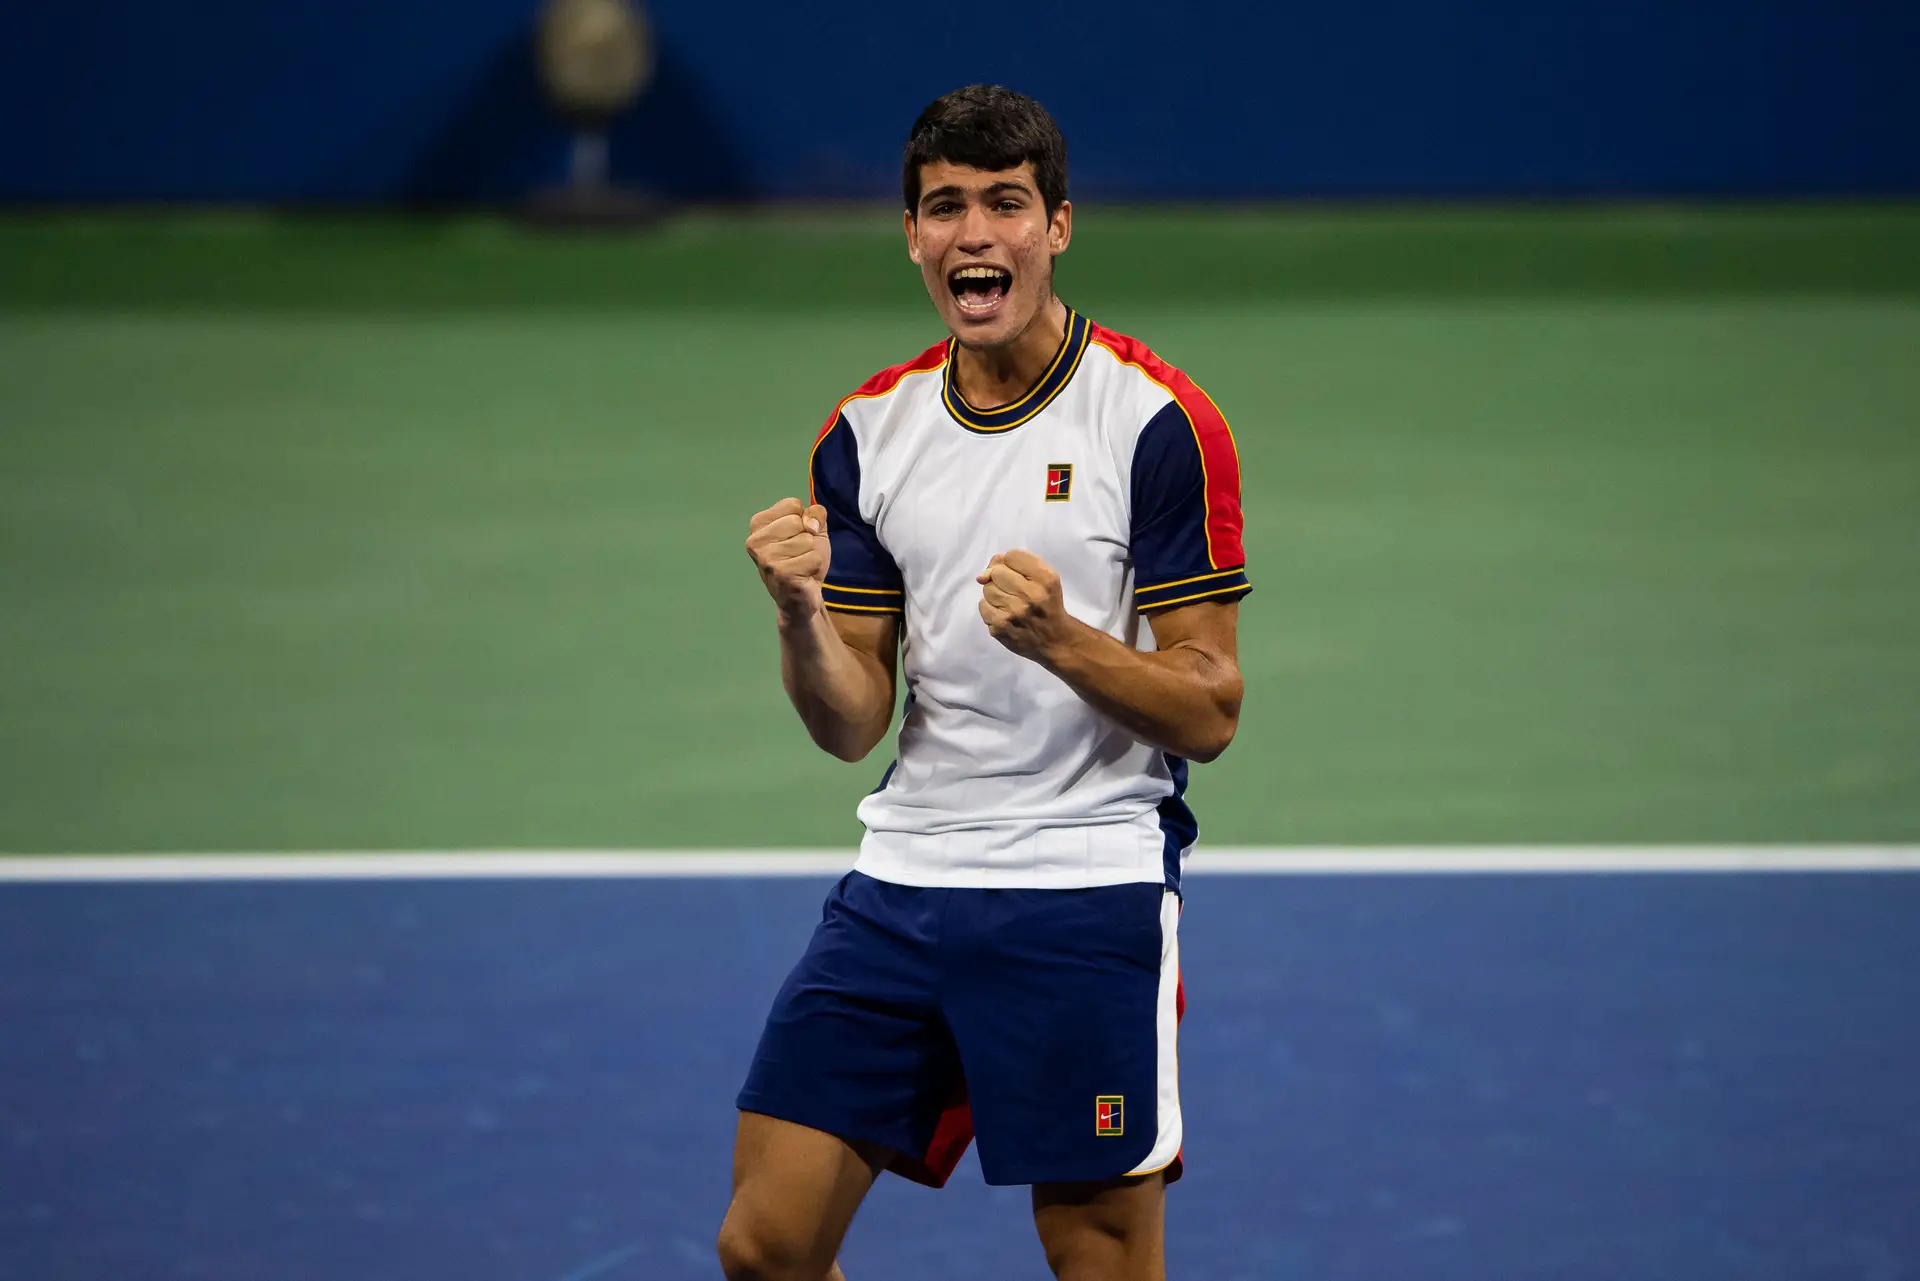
(1059, 482)
(1107, 1119)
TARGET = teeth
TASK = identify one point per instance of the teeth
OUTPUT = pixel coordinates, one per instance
(978, 273)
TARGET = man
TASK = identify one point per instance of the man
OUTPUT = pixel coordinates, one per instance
(1002, 964)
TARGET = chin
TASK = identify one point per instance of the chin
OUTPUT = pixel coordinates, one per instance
(979, 337)
(993, 331)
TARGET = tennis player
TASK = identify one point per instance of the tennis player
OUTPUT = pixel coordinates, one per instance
(1038, 521)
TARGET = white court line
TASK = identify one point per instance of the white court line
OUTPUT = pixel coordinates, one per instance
(1302, 860)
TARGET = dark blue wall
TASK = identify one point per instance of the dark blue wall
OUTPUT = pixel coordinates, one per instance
(435, 99)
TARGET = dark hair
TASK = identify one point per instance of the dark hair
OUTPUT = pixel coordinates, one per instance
(987, 127)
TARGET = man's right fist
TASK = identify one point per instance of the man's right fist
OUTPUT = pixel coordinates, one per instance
(789, 546)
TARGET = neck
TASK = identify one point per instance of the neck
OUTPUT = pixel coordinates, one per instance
(990, 377)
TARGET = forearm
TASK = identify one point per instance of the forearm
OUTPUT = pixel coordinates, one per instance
(844, 696)
(1183, 699)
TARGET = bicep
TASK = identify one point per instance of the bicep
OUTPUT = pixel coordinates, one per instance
(875, 636)
(1200, 641)
(1211, 627)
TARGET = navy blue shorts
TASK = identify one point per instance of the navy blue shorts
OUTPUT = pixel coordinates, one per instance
(1041, 1022)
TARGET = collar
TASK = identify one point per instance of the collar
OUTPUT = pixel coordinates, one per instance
(1059, 372)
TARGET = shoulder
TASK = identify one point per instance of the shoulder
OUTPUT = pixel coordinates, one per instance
(1163, 390)
(1185, 485)
(835, 460)
(884, 385)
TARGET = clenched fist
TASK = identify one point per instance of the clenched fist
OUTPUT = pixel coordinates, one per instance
(788, 544)
(1021, 603)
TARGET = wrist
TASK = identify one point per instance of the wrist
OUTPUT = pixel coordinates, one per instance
(798, 617)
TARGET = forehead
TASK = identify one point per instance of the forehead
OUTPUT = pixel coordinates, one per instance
(946, 174)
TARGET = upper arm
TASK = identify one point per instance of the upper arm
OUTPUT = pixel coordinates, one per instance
(864, 592)
(1189, 563)
(1211, 627)
(876, 636)
(862, 577)
(1207, 634)
(1185, 528)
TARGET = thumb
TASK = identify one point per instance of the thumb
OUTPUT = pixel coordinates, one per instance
(816, 519)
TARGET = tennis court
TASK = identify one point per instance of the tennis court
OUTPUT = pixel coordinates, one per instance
(1674, 1074)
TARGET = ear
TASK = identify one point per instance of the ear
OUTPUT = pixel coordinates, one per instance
(911, 226)
(1060, 229)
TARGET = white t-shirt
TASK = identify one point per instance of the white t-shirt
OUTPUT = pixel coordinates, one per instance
(1120, 473)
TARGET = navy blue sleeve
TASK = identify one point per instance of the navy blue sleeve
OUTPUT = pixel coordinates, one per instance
(1185, 538)
(861, 575)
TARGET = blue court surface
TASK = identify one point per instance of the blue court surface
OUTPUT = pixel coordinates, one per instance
(1462, 1077)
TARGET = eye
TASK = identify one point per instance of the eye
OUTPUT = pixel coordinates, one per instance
(1009, 206)
(943, 208)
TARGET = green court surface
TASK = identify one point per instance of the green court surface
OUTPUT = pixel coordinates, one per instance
(1565, 525)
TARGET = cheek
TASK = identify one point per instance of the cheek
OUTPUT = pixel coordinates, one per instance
(1035, 259)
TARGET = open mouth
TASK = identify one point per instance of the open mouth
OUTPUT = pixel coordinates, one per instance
(979, 290)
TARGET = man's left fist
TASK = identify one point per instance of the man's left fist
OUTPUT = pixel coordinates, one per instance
(1020, 602)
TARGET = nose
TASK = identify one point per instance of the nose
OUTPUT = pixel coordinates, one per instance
(976, 231)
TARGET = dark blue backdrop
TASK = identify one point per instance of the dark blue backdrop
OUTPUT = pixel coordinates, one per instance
(435, 99)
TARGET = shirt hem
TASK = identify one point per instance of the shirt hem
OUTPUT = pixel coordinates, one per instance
(896, 872)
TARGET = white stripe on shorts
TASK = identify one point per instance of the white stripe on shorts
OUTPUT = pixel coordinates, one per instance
(1166, 1144)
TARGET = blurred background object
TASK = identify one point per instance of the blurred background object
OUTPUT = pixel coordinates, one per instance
(595, 58)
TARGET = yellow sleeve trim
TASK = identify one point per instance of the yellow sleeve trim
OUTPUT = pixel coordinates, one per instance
(1182, 582)
(865, 609)
(864, 591)
(1181, 600)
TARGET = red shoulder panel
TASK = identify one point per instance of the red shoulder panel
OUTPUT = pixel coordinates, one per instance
(1219, 457)
(885, 381)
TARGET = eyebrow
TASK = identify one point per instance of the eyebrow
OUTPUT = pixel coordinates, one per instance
(951, 190)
